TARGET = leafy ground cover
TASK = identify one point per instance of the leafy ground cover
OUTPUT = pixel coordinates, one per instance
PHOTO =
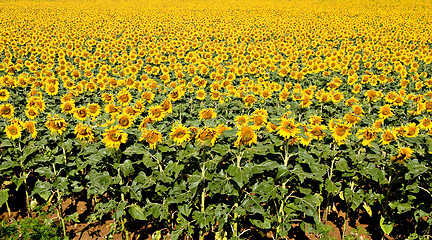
(221, 120)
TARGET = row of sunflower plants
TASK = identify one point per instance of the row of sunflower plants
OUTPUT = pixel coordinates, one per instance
(248, 163)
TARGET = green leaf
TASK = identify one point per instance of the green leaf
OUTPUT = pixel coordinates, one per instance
(3, 196)
(43, 189)
(415, 169)
(332, 188)
(240, 176)
(137, 213)
(126, 168)
(303, 155)
(45, 172)
(265, 224)
(120, 210)
(135, 149)
(386, 225)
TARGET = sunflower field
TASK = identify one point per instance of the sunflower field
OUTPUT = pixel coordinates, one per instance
(223, 119)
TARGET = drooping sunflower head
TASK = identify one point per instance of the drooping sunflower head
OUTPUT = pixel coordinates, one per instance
(317, 131)
(83, 132)
(113, 137)
(367, 135)
(56, 124)
(207, 114)
(246, 136)
(152, 137)
(207, 136)
(403, 154)
(388, 136)
(31, 127)
(288, 128)
(7, 110)
(167, 106)
(80, 113)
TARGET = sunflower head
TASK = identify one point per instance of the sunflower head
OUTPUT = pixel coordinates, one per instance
(403, 155)
(124, 121)
(7, 110)
(151, 137)
(207, 136)
(246, 136)
(13, 131)
(113, 137)
(83, 132)
(207, 114)
(180, 134)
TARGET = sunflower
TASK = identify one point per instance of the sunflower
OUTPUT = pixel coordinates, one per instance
(111, 109)
(31, 127)
(143, 124)
(148, 96)
(403, 155)
(13, 131)
(284, 95)
(4, 95)
(151, 137)
(352, 118)
(7, 110)
(207, 135)
(56, 124)
(107, 97)
(31, 112)
(388, 136)
(425, 123)
(68, 107)
(156, 113)
(412, 130)
(132, 112)
(124, 97)
(113, 137)
(180, 133)
(80, 113)
(385, 112)
(94, 109)
(51, 89)
(83, 132)
(124, 121)
(249, 100)
(246, 136)
(259, 120)
(317, 131)
(166, 106)
(222, 128)
(288, 128)
(340, 132)
(200, 94)
(367, 134)
(207, 114)
(241, 120)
